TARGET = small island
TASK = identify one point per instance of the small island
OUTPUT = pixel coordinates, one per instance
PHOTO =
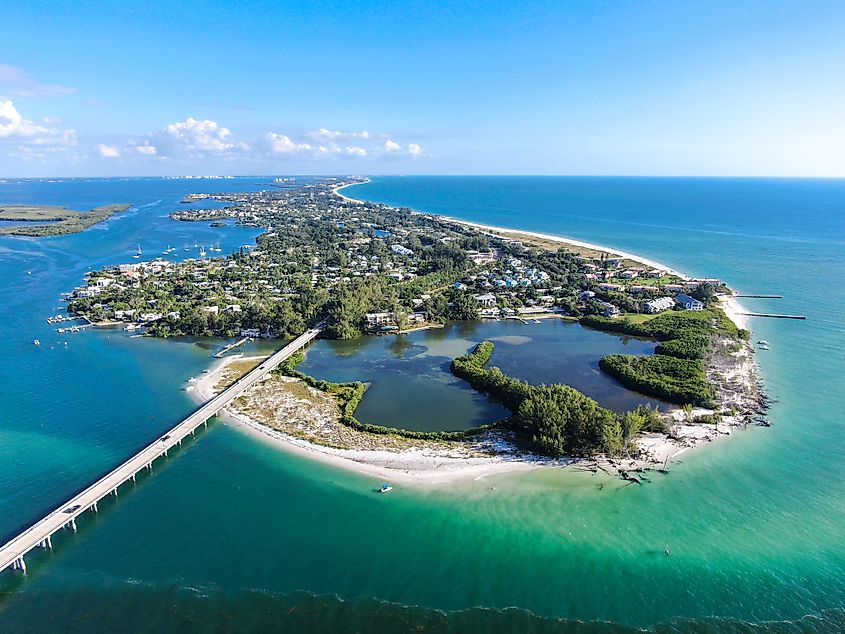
(39, 221)
(363, 269)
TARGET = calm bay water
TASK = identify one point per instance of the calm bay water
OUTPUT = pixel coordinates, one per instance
(411, 385)
(234, 533)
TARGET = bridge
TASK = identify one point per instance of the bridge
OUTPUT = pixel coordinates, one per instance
(39, 535)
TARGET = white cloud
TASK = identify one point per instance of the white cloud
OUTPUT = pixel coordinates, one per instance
(203, 136)
(391, 146)
(324, 134)
(12, 124)
(146, 149)
(108, 151)
(14, 128)
(17, 83)
(353, 150)
(414, 149)
(282, 144)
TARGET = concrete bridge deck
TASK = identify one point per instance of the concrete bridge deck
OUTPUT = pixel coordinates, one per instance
(39, 534)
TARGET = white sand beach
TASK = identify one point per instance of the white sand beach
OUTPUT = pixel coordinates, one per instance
(439, 464)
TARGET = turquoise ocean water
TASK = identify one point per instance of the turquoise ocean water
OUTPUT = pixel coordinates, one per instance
(233, 533)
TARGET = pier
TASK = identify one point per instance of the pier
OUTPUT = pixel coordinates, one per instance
(774, 316)
(761, 296)
(40, 534)
(231, 347)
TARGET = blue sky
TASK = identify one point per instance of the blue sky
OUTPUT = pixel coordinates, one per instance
(656, 88)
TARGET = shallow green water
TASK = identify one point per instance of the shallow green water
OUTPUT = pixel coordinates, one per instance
(232, 533)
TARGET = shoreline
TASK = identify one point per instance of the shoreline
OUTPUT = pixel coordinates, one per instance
(337, 189)
(424, 464)
(732, 307)
(415, 466)
(564, 240)
(533, 234)
(427, 465)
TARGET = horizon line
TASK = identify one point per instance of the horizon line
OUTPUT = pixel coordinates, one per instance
(480, 175)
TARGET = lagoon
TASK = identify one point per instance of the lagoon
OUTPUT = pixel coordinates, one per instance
(411, 387)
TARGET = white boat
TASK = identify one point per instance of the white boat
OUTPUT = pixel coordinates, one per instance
(762, 342)
(202, 252)
(137, 253)
(763, 346)
(385, 488)
(537, 321)
(36, 342)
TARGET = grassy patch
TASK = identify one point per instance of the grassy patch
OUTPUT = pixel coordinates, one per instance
(62, 220)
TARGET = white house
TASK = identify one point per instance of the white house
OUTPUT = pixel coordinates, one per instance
(609, 310)
(690, 303)
(488, 299)
(659, 305)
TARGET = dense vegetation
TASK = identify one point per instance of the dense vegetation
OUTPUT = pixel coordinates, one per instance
(676, 371)
(557, 420)
(668, 378)
(61, 221)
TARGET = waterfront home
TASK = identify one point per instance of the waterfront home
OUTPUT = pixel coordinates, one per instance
(629, 274)
(689, 303)
(608, 309)
(376, 320)
(658, 305)
(487, 300)
(707, 280)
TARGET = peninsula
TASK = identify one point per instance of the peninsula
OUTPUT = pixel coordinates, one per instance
(361, 268)
(39, 221)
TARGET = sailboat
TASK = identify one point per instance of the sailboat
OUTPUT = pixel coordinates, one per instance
(137, 253)
(202, 251)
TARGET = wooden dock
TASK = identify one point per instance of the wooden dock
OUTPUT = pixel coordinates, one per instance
(761, 296)
(39, 535)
